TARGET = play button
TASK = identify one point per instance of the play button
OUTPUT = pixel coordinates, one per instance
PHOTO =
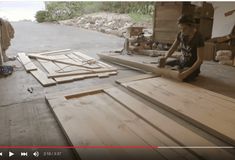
(11, 154)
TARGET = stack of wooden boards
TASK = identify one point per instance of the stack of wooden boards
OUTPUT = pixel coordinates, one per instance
(64, 66)
(107, 122)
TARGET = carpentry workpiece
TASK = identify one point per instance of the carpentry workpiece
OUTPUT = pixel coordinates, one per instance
(209, 111)
(110, 117)
(65, 66)
(134, 61)
(64, 61)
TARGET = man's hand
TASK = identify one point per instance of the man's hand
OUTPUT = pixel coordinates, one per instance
(161, 62)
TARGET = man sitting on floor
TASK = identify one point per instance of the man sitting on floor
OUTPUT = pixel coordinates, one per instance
(191, 43)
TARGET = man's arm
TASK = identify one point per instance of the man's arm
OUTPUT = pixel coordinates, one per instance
(190, 70)
(172, 49)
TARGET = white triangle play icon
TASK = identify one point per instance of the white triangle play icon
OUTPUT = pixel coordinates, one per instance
(11, 154)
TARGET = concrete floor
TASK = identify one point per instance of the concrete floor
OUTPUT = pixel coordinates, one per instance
(25, 118)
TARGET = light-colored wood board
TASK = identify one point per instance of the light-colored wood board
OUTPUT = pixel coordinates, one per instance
(117, 58)
(80, 77)
(113, 126)
(49, 66)
(99, 129)
(199, 94)
(141, 128)
(42, 78)
(53, 52)
(82, 72)
(84, 57)
(67, 67)
(129, 121)
(27, 63)
(135, 78)
(82, 136)
(176, 54)
(168, 126)
(72, 58)
(64, 61)
(76, 91)
(202, 112)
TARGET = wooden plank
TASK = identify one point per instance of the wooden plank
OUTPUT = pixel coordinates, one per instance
(140, 128)
(108, 128)
(135, 78)
(80, 77)
(42, 78)
(50, 58)
(49, 66)
(89, 62)
(88, 58)
(83, 56)
(76, 91)
(53, 52)
(27, 63)
(67, 67)
(82, 136)
(201, 109)
(119, 59)
(82, 72)
(173, 129)
(99, 128)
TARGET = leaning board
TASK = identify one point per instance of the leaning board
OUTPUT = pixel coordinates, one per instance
(110, 117)
(207, 110)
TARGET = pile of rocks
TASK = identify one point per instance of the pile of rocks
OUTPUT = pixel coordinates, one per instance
(111, 23)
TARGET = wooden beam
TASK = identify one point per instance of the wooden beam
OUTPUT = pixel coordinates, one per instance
(146, 67)
(27, 63)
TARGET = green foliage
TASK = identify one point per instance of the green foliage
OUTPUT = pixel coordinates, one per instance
(129, 7)
(67, 10)
(63, 10)
(41, 16)
(140, 17)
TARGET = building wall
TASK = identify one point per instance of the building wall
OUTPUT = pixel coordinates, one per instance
(223, 25)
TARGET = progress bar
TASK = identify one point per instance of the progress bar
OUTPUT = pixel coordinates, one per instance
(118, 147)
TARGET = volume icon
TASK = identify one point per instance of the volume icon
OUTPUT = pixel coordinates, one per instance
(36, 154)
